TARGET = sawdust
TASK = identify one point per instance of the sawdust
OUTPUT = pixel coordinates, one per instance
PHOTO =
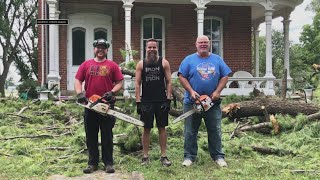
(102, 175)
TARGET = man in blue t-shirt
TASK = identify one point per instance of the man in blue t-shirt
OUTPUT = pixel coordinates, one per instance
(203, 73)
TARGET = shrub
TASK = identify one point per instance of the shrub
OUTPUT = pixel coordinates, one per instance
(28, 89)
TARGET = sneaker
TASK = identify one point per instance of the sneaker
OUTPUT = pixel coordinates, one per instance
(221, 162)
(165, 161)
(187, 162)
(109, 169)
(90, 169)
(145, 161)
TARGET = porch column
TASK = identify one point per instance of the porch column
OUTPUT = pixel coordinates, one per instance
(256, 49)
(53, 76)
(286, 23)
(200, 13)
(127, 6)
(268, 19)
(269, 76)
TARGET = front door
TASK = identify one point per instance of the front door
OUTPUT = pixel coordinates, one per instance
(83, 29)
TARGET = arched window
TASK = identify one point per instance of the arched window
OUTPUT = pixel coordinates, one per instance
(101, 33)
(153, 27)
(213, 28)
(78, 45)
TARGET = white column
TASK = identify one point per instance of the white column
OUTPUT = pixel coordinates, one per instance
(200, 13)
(53, 76)
(256, 49)
(269, 76)
(127, 6)
(200, 16)
(268, 19)
(286, 23)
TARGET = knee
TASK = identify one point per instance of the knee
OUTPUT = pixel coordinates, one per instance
(146, 131)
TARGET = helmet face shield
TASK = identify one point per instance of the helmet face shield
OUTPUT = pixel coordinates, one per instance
(101, 42)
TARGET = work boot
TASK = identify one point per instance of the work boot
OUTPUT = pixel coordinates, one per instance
(165, 161)
(110, 169)
(90, 169)
(145, 161)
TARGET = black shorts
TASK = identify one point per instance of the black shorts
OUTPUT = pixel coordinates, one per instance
(151, 110)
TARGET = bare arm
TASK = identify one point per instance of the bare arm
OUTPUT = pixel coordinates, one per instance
(138, 75)
(185, 83)
(117, 86)
(78, 86)
(167, 73)
(222, 83)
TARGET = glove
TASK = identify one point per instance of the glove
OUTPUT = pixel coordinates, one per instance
(139, 110)
(165, 107)
(81, 98)
(109, 97)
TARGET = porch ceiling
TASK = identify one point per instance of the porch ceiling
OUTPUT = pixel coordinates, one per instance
(281, 6)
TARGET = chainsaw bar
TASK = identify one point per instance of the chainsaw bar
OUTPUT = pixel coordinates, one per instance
(104, 110)
(183, 116)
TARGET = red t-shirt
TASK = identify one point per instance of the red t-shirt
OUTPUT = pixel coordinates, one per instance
(99, 77)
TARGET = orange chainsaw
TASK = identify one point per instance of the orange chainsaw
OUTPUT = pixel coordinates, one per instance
(202, 104)
(100, 105)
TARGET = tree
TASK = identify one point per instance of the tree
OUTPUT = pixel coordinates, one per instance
(16, 17)
(314, 6)
(310, 38)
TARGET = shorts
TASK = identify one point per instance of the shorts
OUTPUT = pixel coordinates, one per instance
(151, 110)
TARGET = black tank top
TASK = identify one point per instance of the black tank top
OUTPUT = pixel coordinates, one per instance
(153, 83)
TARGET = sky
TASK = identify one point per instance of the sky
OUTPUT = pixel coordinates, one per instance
(299, 17)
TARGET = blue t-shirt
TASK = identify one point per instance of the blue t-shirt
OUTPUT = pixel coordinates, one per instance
(203, 74)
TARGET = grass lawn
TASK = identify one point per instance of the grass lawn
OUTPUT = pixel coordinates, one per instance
(61, 147)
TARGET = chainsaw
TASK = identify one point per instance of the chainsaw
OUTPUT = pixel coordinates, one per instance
(202, 104)
(100, 105)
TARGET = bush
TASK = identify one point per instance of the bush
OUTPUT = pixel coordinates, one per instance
(28, 89)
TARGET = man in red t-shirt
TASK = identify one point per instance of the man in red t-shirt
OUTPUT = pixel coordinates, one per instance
(102, 77)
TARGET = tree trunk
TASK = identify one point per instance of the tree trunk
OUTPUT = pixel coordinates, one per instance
(272, 105)
(2, 82)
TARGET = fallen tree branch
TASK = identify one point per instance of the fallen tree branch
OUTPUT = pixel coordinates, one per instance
(315, 116)
(234, 131)
(300, 171)
(266, 150)
(34, 136)
(30, 137)
(54, 148)
(16, 115)
(22, 109)
(3, 154)
(256, 126)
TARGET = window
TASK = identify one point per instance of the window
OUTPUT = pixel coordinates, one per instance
(152, 27)
(78, 45)
(100, 33)
(213, 29)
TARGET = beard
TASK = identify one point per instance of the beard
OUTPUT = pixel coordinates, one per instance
(152, 57)
(100, 51)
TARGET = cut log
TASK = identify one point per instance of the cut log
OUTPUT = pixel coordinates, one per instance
(272, 105)
(315, 116)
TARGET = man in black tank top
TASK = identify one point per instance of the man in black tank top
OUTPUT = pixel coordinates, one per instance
(154, 75)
